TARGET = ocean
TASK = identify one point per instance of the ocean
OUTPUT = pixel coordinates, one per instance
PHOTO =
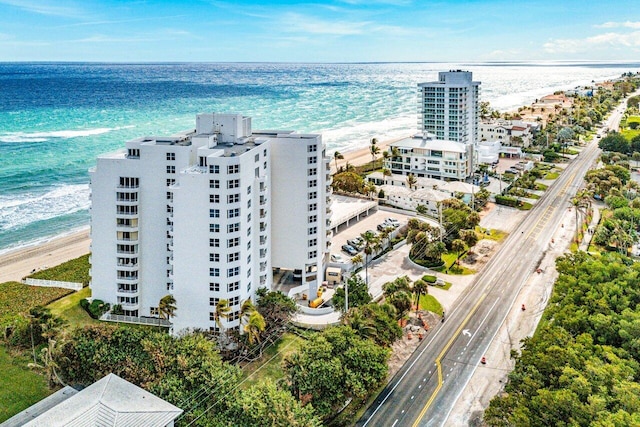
(55, 118)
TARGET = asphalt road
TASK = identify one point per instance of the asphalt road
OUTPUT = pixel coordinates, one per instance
(424, 391)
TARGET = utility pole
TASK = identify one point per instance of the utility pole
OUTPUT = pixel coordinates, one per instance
(346, 296)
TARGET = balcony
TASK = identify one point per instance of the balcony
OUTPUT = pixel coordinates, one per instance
(127, 292)
(263, 200)
(263, 240)
(263, 213)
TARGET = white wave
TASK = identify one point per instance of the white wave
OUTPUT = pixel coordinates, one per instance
(29, 208)
(46, 136)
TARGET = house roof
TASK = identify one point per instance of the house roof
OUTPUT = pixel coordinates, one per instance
(109, 402)
(430, 194)
(461, 187)
(518, 128)
(395, 190)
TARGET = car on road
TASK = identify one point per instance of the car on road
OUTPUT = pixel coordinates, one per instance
(350, 250)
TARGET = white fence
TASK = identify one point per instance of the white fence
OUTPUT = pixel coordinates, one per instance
(154, 321)
(53, 284)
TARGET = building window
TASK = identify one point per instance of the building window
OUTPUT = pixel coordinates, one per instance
(169, 195)
(214, 183)
(214, 198)
(312, 172)
(233, 198)
(256, 158)
(312, 148)
(313, 195)
(232, 243)
(169, 209)
(214, 301)
(249, 190)
(170, 181)
(233, 257)
(133, 153)
(313, 254)
(233, 183)
(171, 169)
(312, 230)
(312, 160)
(214, 228)
(312, 242)
(313, 207)
(312, 183)
(313, 218)
(248, 273)
(234, 315)
(249, 231)
(249, 217)
(233, 168)
(214, 213)
(232, 272)
(171, 156)
(214, 287)
(234, 301)
(214, 168)
(233, 286)
(214, 272)
(233, 213)
(214, 257)
(214, 243)
(231, 228)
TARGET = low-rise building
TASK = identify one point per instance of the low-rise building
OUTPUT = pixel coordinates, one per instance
(515, 133)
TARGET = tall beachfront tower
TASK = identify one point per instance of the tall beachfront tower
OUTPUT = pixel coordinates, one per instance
(206, 215)
(448, 107)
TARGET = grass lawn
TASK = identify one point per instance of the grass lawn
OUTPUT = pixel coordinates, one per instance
(541, 187)
(446, 286)
(430, 303)
(495, 235)
(69, 308)
(630, 133)
(525, 206)
(76, 270)
(19, 386)
(17, 298)
(552, 175)
(449, 260)
(532, 196)
(270, 366)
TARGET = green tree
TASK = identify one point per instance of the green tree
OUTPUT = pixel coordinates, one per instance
(374, 150)
(420, 287)
(358, 293)
(458, 247)
(167, 307)
(349, 182)
(371, 240)
(411, 181)
(222, 311)
(615, 142)
(337, 156)
(254, 327)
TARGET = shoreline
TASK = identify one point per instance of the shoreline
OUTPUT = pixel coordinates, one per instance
(18, 262)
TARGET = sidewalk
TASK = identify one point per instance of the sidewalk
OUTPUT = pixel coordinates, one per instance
(595, 220)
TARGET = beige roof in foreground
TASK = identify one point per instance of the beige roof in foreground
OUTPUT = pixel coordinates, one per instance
(461, 187)
(110, 402)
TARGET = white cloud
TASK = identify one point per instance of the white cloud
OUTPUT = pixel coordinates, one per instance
(606, 40)
(627, 24)
(295, 22)
(43, 8)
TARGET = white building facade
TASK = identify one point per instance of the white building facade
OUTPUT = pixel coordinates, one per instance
(205, 215)
(448, 107)
(430, 158)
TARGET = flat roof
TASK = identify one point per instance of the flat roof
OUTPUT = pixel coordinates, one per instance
(431, 144)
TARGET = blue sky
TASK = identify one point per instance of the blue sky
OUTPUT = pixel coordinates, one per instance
(332, 31)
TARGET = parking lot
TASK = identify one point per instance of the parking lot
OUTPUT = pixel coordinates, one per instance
(356, 229)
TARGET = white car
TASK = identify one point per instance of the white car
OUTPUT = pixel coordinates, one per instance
(336, 258)
(392, 221)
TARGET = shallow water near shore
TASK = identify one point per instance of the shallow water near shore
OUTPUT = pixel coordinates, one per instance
(56, 118)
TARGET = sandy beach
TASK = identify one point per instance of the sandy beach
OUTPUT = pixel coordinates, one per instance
(362, 155)
(15, 265)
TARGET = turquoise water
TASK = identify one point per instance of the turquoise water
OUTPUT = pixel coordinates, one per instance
(56, 118)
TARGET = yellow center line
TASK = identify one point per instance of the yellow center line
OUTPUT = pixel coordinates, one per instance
(441, 355)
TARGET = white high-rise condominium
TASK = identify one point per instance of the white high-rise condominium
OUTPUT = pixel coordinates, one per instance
(205, 215)
(448, 107)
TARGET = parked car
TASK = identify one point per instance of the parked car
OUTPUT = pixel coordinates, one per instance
(350, 250)
(356, 243)
(297, 275)
(392, 221)
(383, 226)
(336, 258)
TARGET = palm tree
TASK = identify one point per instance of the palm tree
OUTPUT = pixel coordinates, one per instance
(337, 156)
(386, 173)
(167, 307)
(359, 323)
(374, 150)
(420, 288)
(370, 242)
(458, 247)
(357, 259)
(411, 181)
(395, 152)
(223, 310)
(254, 328)
(246, 309)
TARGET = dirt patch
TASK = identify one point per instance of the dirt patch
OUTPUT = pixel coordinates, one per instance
(480, 254)
(416, 326)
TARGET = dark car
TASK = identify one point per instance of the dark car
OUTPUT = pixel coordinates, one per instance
(350, 250)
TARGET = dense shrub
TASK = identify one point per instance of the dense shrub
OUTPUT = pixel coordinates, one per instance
(429, 278)
(507, 201)
(96, 308)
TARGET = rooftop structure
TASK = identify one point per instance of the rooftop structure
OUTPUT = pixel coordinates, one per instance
(111, 401)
